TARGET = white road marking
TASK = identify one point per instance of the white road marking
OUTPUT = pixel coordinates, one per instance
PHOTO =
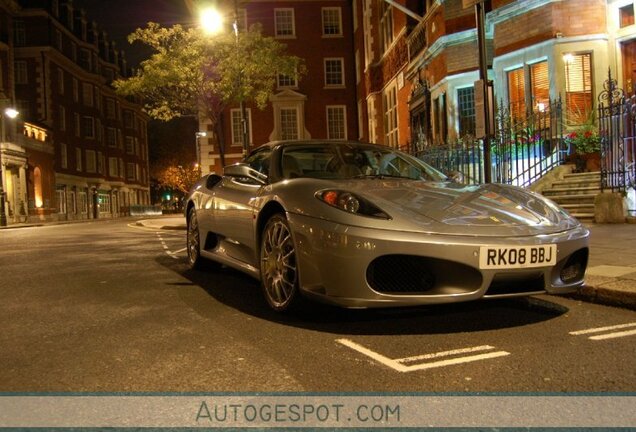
(445, 353)
(614, 335)
(602, 329)
(397, 364)
(178, 251)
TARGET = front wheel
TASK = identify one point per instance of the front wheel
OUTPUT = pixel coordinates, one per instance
(193, 241)
(279, 269)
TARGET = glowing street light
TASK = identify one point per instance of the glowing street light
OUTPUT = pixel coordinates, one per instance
(211, 21)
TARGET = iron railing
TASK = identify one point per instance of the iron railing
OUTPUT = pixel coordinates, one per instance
(617, 129)
(522, 150)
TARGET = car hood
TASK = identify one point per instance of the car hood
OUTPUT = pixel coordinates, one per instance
(491, 209)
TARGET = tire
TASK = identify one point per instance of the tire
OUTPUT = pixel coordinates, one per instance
(193, 241)
(279, 269)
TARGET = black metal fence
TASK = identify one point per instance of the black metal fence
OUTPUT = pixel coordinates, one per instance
(617, 129)
(522, 150)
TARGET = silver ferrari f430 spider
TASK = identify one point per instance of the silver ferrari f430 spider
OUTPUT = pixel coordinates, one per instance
(363, 225)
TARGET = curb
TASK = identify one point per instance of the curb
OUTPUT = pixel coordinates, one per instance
(605, 296)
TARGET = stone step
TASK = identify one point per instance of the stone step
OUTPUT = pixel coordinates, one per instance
(575, 198)
(584, 217)
(575, 184)
(572, 190)
(596, 175)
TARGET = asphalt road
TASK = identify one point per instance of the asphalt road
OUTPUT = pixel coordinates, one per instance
(108, 306)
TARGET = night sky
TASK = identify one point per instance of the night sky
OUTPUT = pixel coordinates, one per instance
(119, 18)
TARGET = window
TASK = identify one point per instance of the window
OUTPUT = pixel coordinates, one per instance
(578, 87)
(86, 59)
(91, 161)
(237, 128)
(21, 74)
(19, 33)
(285, 81)
(121, 168)
(78, 159)
(466, 111)
(626, 15)
(58, 40)
(112, 167)
(82, 202)
(390, 116)
(78, 124)
(130, 145)
(331, 21)
(386, 25)
(111, 110)
(334, 72)
(62, 119)
(100, 162)
(111, 137)
(63, 156)
(336, 122)
(289, 123)
(517, 93)
(128, 119)
(103, 201)
(75, 90)
(528, 89)
(87, 94)
(130, 171)
(60, 80)
(284, 23)
(61, 200)
(88, 127)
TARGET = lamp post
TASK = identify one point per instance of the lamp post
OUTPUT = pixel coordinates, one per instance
(212, 22)
(11, 113)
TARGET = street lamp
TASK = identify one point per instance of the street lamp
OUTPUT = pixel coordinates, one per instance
(212, 23)
(11, 113)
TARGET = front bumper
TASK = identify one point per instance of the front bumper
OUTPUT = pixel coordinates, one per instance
(334, 260)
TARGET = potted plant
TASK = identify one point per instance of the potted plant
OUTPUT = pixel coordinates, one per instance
(586, 144)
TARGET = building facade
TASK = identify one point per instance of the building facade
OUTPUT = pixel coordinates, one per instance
(321, 104)
(83, 150)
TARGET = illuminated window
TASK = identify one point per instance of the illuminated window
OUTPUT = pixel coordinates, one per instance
(331, 21)
(289, 123)
(578, 87)
(626, 15)
(466, 110)
(336, 122)
(390, 116)
(386, 25)
(334, 72)
(284, 22)
(237, 128)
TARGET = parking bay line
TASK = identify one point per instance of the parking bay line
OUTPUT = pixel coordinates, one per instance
(397, 364)
(612, 335)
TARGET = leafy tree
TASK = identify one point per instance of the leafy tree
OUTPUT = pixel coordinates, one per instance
(191, 73)
(179, 178)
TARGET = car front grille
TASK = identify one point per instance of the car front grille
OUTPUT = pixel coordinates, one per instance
(416, 275)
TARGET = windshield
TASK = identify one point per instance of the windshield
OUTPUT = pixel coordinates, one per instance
(350, 160)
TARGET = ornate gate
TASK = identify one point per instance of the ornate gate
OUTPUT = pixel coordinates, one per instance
(617, 128)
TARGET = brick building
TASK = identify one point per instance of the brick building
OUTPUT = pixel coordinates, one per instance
(321, 104)
(83, 152)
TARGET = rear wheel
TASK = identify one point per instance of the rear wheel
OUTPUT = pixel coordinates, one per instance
(279, 270)
(193, 241)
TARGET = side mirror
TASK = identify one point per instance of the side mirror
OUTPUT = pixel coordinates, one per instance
(245, 173)
(456, 177)
(212, 180)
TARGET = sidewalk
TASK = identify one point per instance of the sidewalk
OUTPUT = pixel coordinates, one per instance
(611, 272)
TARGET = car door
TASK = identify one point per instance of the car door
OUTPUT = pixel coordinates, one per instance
(234, 209)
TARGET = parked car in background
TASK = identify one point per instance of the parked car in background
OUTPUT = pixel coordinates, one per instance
(363, 225)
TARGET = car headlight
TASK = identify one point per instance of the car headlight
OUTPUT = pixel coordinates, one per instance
(350, 203)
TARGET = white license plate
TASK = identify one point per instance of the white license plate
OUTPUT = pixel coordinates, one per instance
(511, 257)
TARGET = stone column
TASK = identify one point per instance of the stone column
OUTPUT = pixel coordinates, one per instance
(23, 201)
